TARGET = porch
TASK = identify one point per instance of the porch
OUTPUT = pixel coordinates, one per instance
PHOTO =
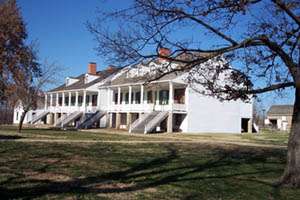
(164, 96)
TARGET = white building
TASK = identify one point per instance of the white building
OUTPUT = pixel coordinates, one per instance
(120, 99)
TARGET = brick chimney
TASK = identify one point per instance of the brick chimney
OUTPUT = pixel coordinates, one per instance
(165, 52)
(111, 68)
(92, 68)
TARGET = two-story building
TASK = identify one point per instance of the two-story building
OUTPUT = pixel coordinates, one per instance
(120, 98)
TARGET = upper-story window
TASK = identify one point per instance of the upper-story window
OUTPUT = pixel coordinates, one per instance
(66, 101)
(94, 100)
(164, 97)
(149, 97)
(127, 98)
(80, 100)
(87, 99)
(116, 98)
(60, 101)
(138, 97)
(179, 96)
(73, 100)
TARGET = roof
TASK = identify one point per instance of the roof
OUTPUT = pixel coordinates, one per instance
(139, 74)
(80, 84)
(281, 110)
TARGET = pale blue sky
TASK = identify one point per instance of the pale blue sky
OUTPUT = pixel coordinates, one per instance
(59, 28)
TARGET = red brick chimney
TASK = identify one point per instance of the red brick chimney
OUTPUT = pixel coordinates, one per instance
(92, 68)
(165, 52)
(111, 68)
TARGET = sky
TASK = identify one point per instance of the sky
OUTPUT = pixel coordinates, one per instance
(58, 27)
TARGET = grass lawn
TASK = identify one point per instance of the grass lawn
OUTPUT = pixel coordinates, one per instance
(54, 170)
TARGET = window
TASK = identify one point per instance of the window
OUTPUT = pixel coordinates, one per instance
(127, 98)
(87, 100)
(80, 99)
(164, 97)
(132, 97)
(73, 100)
(138, 97)
(116, 98)
(121, 97)
(94, 100)
(60, 101)
(149, 97)
(66, 101)
(179, 96)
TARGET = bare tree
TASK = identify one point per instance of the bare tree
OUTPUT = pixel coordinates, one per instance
(258, 40)
(28, 92)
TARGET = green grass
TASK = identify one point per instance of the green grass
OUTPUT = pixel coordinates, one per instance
(33, 170)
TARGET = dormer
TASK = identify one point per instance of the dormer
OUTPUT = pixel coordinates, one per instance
(70, 81)
(89, 78)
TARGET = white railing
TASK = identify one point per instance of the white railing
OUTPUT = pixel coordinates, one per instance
(146, 107)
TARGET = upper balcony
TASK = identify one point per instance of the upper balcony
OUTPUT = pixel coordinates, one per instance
(166, 96)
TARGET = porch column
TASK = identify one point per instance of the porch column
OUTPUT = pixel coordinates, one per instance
(110, 125)
(63, 99)
(57, 100)
(46, 99)
(109, 99)
(128, 120)
(84, 99)
(142, 94)
(98, 99)
(76, 99)
(129, 95)
(119, 95)
(51, 100)
(118, 120)
(170, 123)
(249, 126)
(171, 93)
(70, 98)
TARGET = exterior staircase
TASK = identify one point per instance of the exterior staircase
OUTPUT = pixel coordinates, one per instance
(65, 121)
(90, 120)
(38, 117)
(148, 122)
(155, 121)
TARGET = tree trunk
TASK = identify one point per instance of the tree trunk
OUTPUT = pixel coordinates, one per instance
(22, 120)
(291, 176)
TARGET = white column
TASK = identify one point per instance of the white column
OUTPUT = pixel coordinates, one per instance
(51, 100)
(98, 99)
(57, 99)
(63, 99)
(109, 100)
(90, 99)
(46, 99)
(142, 94)
(70, 98)
(119, 95)
(171, 93)
(157, 97)
(129, 95)
(76, 99)
(84, 99)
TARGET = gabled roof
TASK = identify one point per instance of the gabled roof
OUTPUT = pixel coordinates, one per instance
(80, 84)
(281, 110)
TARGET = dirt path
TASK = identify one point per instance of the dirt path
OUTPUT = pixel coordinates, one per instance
(193, 141)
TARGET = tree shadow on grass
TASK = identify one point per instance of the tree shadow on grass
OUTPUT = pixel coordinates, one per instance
(148, 174)
(10, 137)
